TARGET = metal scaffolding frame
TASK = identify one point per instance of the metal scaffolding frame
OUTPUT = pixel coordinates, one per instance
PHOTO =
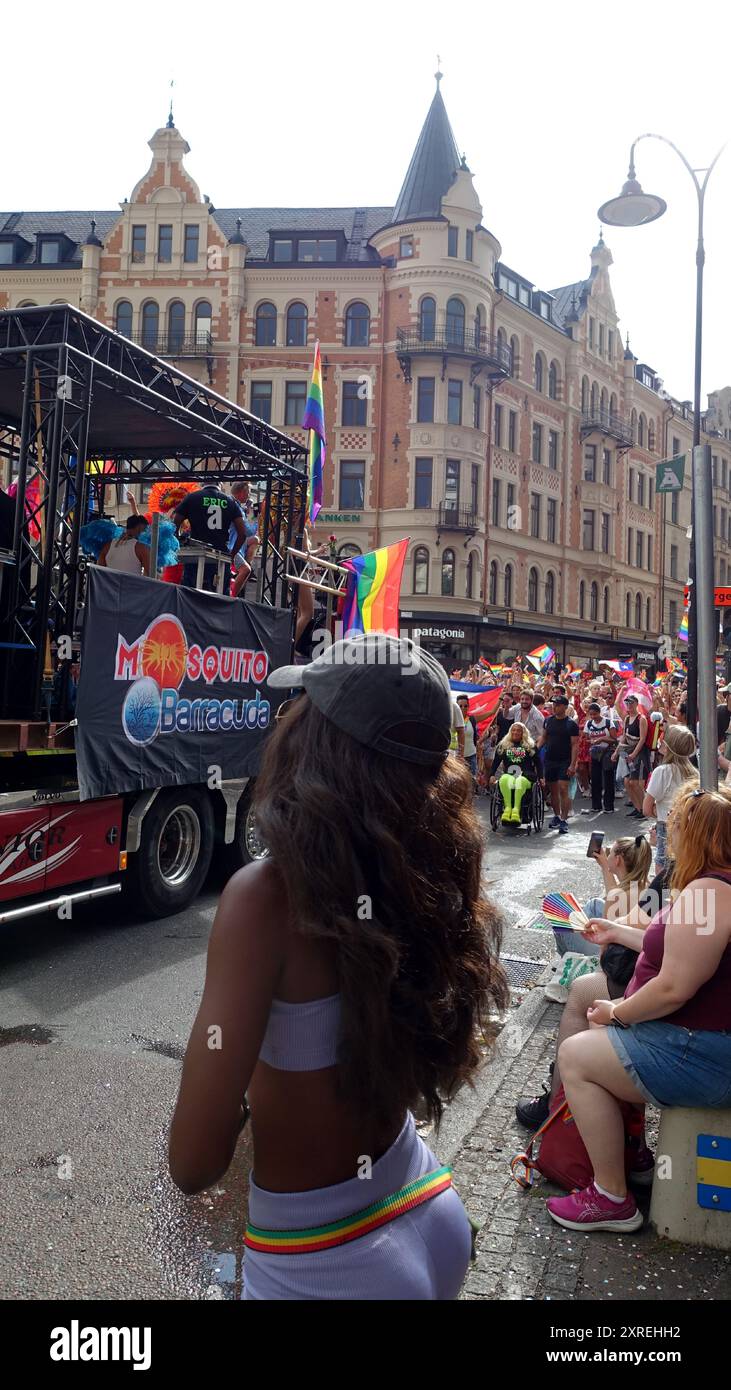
(73, 391)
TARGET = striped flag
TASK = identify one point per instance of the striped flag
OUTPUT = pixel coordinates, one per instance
(540, 656)
(314, 421)
(683, 629)
(372, 590)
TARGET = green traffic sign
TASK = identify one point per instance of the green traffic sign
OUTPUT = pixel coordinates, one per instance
(669, 474)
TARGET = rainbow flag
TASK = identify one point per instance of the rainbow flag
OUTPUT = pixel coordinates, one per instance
(372, 590)
(540, 656)
(314, 421)
(683, 629)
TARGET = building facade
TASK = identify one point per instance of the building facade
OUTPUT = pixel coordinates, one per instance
(505, 429)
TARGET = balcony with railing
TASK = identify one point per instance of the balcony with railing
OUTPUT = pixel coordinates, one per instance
(450, 339)
(176, 345)
(607, 423)
(455, 518)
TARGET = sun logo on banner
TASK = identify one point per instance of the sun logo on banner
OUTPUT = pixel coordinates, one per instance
(165, 652)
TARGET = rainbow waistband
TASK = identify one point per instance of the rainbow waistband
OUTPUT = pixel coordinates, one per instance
(350, 1227)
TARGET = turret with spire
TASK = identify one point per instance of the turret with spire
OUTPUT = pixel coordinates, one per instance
(434, 165)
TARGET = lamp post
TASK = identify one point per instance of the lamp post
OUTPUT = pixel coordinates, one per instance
(634, 208)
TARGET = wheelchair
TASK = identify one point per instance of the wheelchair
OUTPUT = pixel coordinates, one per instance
(532, 809)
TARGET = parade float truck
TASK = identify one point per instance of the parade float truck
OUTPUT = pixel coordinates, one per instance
(132, 710)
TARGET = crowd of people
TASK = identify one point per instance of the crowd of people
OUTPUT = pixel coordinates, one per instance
(594, 736)
(356, 968)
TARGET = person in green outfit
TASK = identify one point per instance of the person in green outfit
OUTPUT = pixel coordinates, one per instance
(516, 753)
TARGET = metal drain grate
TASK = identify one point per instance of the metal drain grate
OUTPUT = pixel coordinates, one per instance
(521, 972)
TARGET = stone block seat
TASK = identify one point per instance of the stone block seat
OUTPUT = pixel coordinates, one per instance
(691, 1194)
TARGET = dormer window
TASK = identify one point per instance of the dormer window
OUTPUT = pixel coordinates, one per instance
(49, 251)
(7, 252)
(317, 249)
(285, 247)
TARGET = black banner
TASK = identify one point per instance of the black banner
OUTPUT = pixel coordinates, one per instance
(172, 686)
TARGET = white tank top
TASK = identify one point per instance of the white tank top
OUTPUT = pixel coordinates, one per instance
(121, 556)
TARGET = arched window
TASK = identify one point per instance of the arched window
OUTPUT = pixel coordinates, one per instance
(27, 304)
(604, 403)
(641, 431)
(176, 325)
(651, 436)
(533, 589)
(455, 322)
(613, 405)
(605, 605)
(448, 572)
(550, 594)
(297, 325)
(628, 611)
(508, 586)
(594, 399)
(123, 318)
(421, 570)
(479, 325)
(266, 326)
(357, 325)
(582, 598)
(553, 381)
(493, 583)
(427, 319)
(584, 395)
(648, 616)
(514, 356)
(538, 376)
(203, 322)
(638, 612)
(633, 422)
(470, 574)
(594, 602)
(150, 325)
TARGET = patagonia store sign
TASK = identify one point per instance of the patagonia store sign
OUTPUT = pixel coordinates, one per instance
(439, 634)
(172, 683)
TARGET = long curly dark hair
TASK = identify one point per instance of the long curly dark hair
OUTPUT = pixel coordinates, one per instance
(383, 857)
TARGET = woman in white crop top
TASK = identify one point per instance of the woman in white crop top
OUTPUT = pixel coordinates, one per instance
(349, 978)
(127, 553)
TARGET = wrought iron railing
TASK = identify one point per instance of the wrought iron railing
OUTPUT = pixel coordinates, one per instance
(175, 344)
(449, 337)
(605, 422)
(453, 518)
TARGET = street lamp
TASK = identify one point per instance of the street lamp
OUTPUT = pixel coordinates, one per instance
(635, 208)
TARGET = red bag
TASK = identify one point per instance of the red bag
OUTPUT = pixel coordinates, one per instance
(562, 1157)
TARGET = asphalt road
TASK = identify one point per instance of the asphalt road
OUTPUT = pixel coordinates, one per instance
(95, 1014)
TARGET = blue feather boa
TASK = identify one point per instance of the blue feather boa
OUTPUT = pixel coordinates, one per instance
(95, 535)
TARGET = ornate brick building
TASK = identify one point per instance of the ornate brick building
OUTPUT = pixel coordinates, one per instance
(505, 429)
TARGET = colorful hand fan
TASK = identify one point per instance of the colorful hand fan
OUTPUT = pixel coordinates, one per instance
(558, 909)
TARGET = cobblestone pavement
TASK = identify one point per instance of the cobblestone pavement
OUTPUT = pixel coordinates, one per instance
(523, 1254)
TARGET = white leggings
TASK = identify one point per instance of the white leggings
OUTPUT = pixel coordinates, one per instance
(423, 1254)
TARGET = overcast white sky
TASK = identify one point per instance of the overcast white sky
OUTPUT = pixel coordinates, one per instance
(313, 104)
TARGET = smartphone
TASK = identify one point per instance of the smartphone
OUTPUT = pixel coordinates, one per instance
(596, 840)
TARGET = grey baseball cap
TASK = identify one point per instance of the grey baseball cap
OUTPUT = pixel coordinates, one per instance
(369, 684)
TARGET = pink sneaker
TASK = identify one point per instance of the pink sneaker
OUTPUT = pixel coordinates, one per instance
(588, 1210)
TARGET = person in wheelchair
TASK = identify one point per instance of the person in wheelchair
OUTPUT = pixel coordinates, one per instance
(516, 753)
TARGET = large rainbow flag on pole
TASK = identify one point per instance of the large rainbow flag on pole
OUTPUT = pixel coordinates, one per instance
(683, 629)
(372, 590)
(314, 421)
(540, 656)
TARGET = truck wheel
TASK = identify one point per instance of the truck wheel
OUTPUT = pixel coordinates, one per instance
(174, 856)
(246, 846)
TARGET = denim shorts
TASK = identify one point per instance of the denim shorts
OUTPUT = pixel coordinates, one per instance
(671, 1065)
